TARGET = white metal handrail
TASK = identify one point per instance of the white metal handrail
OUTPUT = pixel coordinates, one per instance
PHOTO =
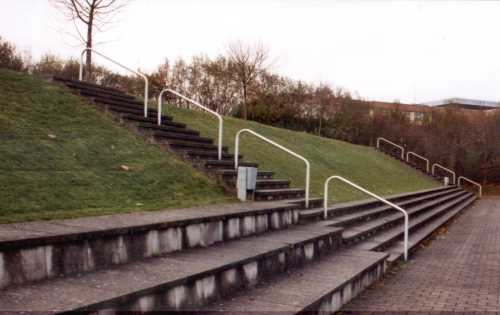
(445, 169)
(394, 144)
(405, 213)
(308, 165)
(419, 156)
(146, 81)
(219, 117)
(472, 182)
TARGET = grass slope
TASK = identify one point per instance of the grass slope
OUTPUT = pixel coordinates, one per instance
(363, 165)
(79, 172)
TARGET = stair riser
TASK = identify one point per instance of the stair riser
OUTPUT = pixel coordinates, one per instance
(415, 227)
(273, 186)
(210, 155)
(141, 119)
(25, 262)
(85, 84)
(202, 289)
(334, 300)
(231, 179)
(99, 92)
(367, 206)
(280, 196)
(111, 98)
(125, 110)
(394, 222)
(388, 211)
(155, 128)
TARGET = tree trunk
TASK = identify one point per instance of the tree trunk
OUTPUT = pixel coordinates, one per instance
(245, 109)
(88, 62)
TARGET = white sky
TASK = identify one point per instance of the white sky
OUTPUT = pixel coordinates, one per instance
(416, 50)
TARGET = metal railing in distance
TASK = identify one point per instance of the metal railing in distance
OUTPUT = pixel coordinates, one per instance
(348, 182)
(427, 163)
(146, 81)
(219, 117)
(445, 169)
(394, 144)
(308, 165)
(472, 182)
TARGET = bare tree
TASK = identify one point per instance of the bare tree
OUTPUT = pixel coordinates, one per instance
(88, 16)
(247, 62)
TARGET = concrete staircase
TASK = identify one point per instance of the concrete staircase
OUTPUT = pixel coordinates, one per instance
(187, 143)
(275, 257)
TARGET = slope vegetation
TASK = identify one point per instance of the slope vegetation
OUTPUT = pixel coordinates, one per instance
(61, 158)
(363, 165)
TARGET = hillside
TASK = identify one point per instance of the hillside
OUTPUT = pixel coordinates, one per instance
(61, 158)
(361, 164)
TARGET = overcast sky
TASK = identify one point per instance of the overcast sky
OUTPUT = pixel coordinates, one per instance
(416, 50)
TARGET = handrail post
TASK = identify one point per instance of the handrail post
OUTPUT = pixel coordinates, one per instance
(394, 144)
(146, 81)
(472, 182)
(219, 117)
(427, 162)
(405, 213)
(308, 165)
(445, 169)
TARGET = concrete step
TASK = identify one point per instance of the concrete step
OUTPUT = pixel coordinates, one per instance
(319, 288)
(86, 84)
(179, 281)
(103, 94)
(362, 205)
(137, 111)
(386, 238)
(397, 249)
(170, 129)
(193, 145)
(369, 214)
(180, 136)
(116, 99)
(230, 175)
(142, 119)
(278, 194)
(207, 154)
(225, 164)
(273, 183)
(37, 251)
(362, 231)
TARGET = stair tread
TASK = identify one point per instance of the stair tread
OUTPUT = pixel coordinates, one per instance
(302, 288)
(396, 251)
(341, 219)
(396, 231)
(269, 191)
(152, 119)
(65, 294)
(366, 202)
(85, 83)
(168, 129)
(352, 232)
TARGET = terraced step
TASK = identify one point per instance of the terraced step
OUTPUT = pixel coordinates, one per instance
(350, 219)
(225, 164)
(396, 250)
(139, 111)
(102, 95)
(179, 281)
(208, 154)
(86, 84)
(278, 194)
(357, 206)
(142, 119)
(385, 238)
(173, 135)
(231, 174)
(170, 129)
(194, 145)
(273, 183)
(321, 287)
(361, 231)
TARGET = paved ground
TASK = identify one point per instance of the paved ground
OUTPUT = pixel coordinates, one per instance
(458, 272)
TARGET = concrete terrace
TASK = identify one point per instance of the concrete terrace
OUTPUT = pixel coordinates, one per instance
(458, 272)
